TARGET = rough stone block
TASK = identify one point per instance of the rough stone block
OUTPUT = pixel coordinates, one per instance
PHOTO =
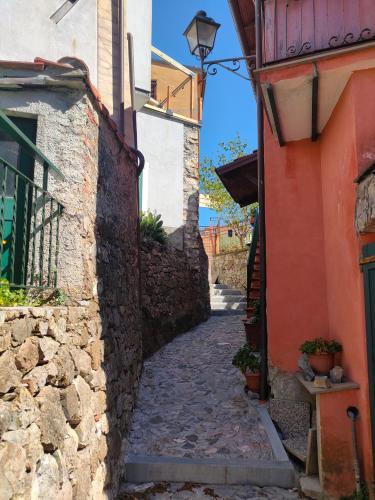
(52, 421)
(6, 416)
(69, 449)
(71, 405)
(47, 349)
(57, 330)
(12, 470)
(21, 329)
(82, 362)
(95, 350)
(27, 356)
(85, 430)
(36, 379)
(65, 368)
(10, 377)
(5, 338)
(25, 409)
(47, 477)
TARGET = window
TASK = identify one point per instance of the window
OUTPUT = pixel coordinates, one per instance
(154, 85)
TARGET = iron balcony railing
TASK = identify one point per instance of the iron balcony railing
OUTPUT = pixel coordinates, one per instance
(29, 220)
(294, 28)
(29, 231)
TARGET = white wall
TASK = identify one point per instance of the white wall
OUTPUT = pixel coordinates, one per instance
(139, 24)
(26, 31)
(161, 140)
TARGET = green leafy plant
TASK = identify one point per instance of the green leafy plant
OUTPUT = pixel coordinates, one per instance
(246, 360)
(320, 346)
(231, 214)
(10, 297)
(151, 227)
(18, 297)
(255, 315)
(362, 494)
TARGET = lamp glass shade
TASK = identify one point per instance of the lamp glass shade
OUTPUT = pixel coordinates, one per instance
(206, 35)
(192, 37)
(201, 34)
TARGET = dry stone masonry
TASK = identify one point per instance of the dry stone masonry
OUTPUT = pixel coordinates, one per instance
(174, 294)
(69, 374)
(230, 268)
(365, 208)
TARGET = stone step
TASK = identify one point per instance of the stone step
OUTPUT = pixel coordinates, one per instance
(228, 312)
(220, 299)
(219, 286)
(239, 306)
(216, 291)
(146, 469)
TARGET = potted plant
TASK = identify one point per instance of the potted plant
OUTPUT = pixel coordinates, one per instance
(321, 354)
(252, 332)
(254, 308)
(248, 363)
(251, 324)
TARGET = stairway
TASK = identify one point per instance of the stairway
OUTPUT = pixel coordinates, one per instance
(254, 292)
(226, 300)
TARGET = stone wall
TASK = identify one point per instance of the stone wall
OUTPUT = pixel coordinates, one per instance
(365, 207)
(175, 295)
(230, 269)
(68, 397)
(53, 410)
(192, 238)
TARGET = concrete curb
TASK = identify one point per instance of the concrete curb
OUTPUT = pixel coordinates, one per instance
(277, 472)
(144, 469)
(276, 444)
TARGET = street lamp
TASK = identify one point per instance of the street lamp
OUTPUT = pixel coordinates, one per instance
(201, 36)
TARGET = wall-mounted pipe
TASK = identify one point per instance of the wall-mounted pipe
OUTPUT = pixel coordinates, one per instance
(262, 208)
(353, 414)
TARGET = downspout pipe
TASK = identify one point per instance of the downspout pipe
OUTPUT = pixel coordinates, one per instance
(262, 209)
(122, 79)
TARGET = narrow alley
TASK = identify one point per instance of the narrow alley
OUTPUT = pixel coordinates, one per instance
(192, 411)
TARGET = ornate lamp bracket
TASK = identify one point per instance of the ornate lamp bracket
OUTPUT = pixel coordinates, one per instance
(232, 64)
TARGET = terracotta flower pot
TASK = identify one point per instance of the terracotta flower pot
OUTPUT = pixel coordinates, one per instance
(321, 363)
(253, 381)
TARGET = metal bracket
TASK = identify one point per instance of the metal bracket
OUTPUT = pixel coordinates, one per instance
(63, 10)
(208, 67)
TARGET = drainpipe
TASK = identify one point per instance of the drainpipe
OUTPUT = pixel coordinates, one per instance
(122, 79)
(262, 206)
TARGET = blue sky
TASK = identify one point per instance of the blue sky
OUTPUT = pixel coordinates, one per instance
(229, 103)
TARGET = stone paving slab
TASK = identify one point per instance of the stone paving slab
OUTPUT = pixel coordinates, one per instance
(191, 401)
(185, 491)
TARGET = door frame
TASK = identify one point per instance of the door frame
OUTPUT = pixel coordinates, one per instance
(368, 268)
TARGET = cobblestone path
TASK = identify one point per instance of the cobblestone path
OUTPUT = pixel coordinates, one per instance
(191, 401)
(163, 491)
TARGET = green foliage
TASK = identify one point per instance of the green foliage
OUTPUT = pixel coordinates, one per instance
(256, 314)
(18, 297)
(220, 200)
(151, 227)
(10, 297)
(363, 494)
(320, 346)
(246, 360)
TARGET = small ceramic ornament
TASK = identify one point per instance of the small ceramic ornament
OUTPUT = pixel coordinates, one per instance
(336, 375)
(304, 365)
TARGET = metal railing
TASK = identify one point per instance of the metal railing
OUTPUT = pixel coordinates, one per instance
(29, 231)
(294, 28)
(29, 219)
